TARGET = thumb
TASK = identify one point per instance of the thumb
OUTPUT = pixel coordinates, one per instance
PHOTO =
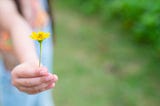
(28, 70)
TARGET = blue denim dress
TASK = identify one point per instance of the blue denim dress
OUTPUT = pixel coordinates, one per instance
(11, 96)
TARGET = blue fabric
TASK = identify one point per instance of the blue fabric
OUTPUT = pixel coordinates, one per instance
(10, 96)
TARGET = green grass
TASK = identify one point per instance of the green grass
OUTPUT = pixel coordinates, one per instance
(99, 67)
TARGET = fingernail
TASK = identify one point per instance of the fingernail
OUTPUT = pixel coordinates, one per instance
(53, 85)
(55, 77)
(49, 78)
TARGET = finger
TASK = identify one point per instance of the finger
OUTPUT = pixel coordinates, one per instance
(55, 77)
(37, 89)
(31, 82)
(28, 72)
(52, 85)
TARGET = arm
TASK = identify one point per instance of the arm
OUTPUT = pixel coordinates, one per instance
(19, 30)
(27, 76)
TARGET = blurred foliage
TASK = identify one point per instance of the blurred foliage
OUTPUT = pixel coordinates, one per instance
(138, 17)
(99, 66)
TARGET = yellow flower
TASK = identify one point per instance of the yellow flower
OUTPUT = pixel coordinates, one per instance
(39, 36)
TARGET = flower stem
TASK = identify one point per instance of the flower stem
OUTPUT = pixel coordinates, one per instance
(40, 56)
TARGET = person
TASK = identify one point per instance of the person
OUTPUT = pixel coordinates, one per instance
(22, 81)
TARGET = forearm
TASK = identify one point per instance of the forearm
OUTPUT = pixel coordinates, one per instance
(23, 45)
(19, 30)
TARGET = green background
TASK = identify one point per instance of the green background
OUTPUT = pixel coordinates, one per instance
(107, 52)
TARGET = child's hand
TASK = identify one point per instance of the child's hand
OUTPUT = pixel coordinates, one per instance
(32, 79)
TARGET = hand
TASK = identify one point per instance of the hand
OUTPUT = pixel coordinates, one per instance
(30, 78)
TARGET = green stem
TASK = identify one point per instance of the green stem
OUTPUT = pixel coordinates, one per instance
(40, 56)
